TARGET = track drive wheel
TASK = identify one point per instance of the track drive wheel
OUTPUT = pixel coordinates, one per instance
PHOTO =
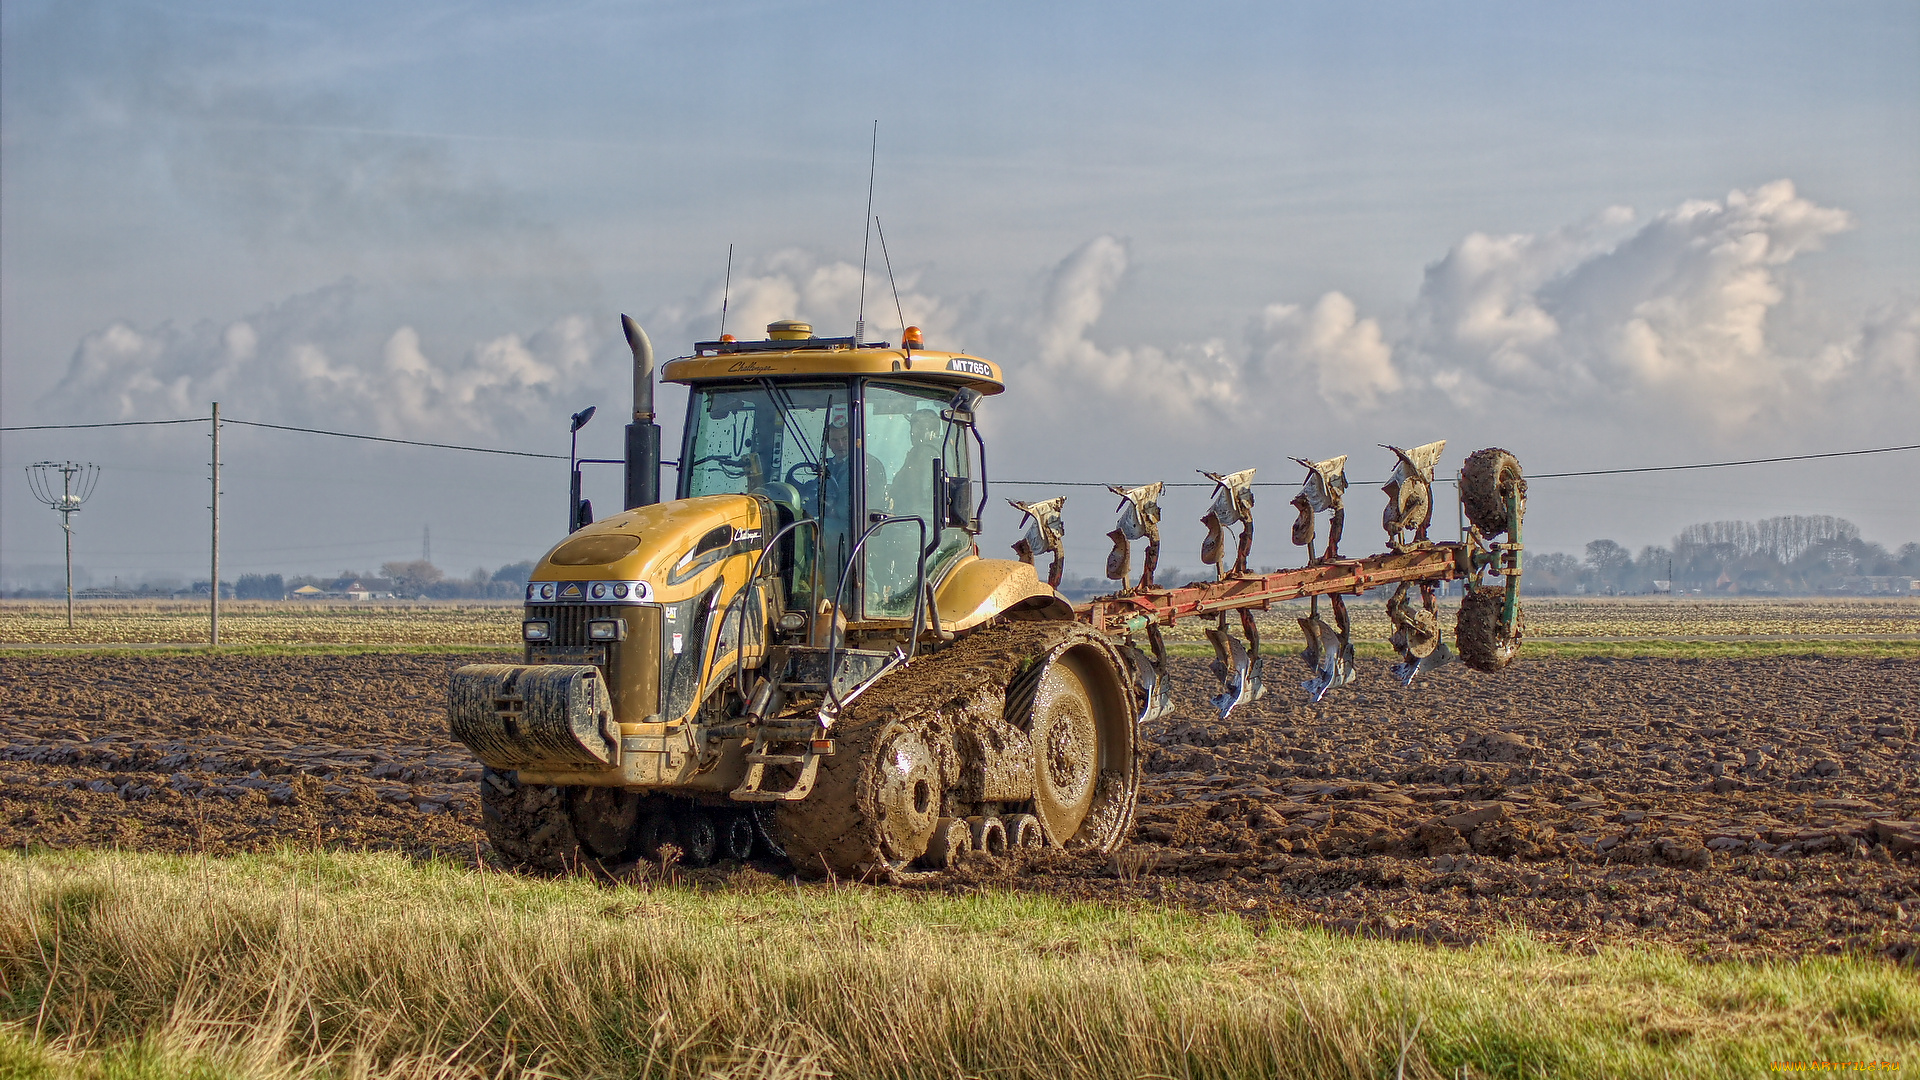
(1486, 481)
(530, 827)
(1483, 645)
(604, 820)
(875, 804)
(1081, 723)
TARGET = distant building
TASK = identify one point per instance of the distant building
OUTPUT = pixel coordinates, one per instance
(1866, 585)
(354, 589)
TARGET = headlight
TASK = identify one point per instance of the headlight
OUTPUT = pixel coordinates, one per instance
(536, 630)
(599, 590)
(607, 630)
(793, 621)
(620, 590)
(546, 590)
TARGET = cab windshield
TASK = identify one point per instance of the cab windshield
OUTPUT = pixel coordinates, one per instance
(836, 453)
(777, 440)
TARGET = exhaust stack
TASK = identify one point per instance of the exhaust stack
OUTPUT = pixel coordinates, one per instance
(643, 435)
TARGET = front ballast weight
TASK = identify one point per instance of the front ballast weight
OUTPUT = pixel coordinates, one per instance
(1488, 627)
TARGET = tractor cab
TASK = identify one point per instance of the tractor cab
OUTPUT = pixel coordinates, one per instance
(867, 454)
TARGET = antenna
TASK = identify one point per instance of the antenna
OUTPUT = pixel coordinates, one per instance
(76, 483)
(860, 322)
(726, 291)
(895, 285)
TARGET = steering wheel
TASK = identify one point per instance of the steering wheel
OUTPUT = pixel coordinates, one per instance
(731, 465)
(798, 466)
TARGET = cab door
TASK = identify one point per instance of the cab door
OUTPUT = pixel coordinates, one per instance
(912, 450)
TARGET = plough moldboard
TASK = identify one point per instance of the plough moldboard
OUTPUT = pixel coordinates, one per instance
(1487, 631)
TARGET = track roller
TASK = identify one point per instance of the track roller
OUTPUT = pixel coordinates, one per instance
(1023, 831)
(951, 844)
(989, 835)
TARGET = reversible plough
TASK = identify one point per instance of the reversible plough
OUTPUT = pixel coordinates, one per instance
(1487, 631)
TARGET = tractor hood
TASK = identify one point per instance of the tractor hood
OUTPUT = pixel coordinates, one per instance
(652, 554)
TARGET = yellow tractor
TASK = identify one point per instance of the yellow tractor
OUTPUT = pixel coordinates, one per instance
(803, 653)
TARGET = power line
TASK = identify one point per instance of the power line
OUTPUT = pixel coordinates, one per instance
(119, 423)
(1533, 476)
(1727, 464)
(1016, 483)
(285, 427)
(401, 442)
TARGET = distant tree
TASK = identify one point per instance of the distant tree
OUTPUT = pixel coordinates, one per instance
(1610, 563)
(515, 574)
(412, 578)
(1550, 574)
(260, 587)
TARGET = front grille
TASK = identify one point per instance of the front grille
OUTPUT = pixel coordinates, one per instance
(570, 620)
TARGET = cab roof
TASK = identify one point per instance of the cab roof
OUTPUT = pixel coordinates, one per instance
(725, 360)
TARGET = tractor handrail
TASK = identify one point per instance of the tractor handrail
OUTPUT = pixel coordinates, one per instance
(919, 592)
(760, 560)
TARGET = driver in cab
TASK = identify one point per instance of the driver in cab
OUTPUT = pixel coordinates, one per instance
(837, 466)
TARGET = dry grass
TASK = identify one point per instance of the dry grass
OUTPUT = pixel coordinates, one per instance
(300, 965)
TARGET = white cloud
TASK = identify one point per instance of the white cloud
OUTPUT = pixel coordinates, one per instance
(1656, 325)
(1192, 383)
(317, 358)
(796, 284)
(1678, 312)
(1328, 347)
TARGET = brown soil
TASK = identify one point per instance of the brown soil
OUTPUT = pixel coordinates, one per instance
(1733, 806)
(224, 754)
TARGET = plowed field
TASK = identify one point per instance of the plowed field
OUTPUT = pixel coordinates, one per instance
(1749, 806)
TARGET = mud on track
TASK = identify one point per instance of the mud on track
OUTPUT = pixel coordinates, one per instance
(1744, 806)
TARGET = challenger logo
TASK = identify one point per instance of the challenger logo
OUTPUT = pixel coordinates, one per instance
(971, 366)
(745, 534)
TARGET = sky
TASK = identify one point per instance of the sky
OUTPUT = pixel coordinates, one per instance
(1210, 236)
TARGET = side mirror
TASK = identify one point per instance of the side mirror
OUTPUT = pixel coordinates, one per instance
(958, 508)
(583, 514)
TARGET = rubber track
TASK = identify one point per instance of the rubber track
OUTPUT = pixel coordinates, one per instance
(834, 829)
(529, 827)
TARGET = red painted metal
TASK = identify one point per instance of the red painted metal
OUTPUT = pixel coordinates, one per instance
(1110, 614)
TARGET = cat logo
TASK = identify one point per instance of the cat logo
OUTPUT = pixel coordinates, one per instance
(570, 591)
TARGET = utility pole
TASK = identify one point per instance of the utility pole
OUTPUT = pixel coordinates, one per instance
(426, 543)
(76, 483)
(214, 590)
